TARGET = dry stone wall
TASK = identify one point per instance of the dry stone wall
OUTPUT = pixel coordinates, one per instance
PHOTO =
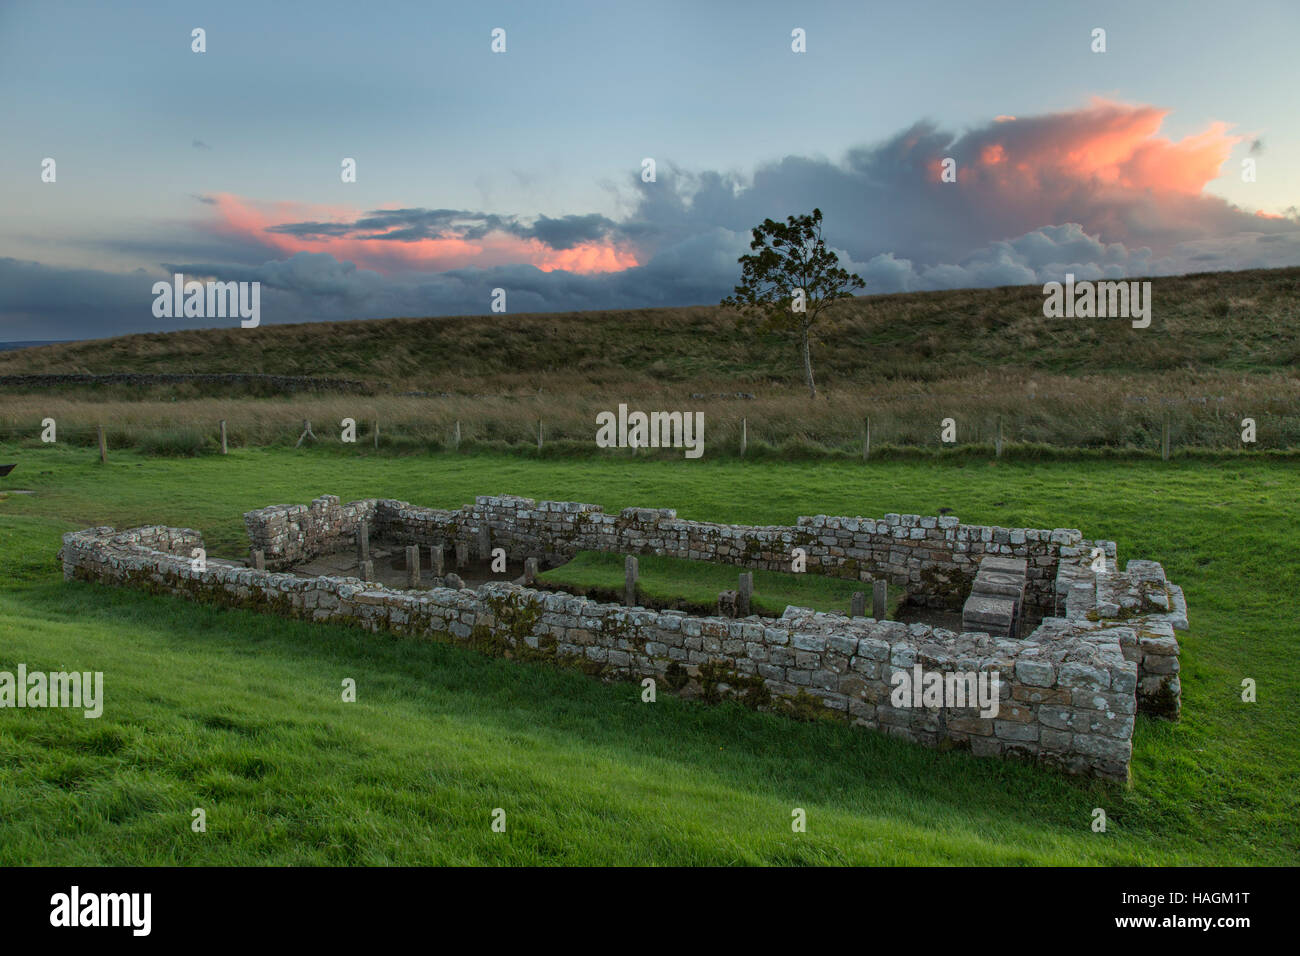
(934, 559)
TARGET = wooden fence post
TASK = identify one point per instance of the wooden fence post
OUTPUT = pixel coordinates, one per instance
(103, 445)
(997, 442)
(744, 436)
(223, 436)
(866, 438)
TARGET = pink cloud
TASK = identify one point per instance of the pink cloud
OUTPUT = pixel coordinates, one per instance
(241, 218)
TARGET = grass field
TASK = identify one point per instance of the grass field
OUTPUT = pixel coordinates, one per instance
(241, 714)
(695, 585)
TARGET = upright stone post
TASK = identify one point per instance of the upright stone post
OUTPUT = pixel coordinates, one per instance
(484, 542)
(530, 571)
(858, 606)
(744, 593)
(435, 560)
(629, 580)
(258, 560)
(367, 570)
(462, 554)
(879, 598)
(412, 566)
(363, 542)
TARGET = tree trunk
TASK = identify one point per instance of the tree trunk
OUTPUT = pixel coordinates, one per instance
(807, 366)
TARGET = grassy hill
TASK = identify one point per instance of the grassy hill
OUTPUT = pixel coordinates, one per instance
(1233, 321)
(1221, 347)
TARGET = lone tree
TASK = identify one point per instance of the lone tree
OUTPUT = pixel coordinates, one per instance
(789, 281)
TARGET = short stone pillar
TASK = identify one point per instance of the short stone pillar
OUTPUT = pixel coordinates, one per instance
(363, 542)
(629, 580)
(435, 560)
(744, 593)
(530, 571)
(412, 566)
(879, 598)
(258, 560)
(726, 604)
(858, 606)
(367, 570)
(462, 554)
(484, 543)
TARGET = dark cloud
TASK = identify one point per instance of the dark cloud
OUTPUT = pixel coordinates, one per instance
(1095, 192)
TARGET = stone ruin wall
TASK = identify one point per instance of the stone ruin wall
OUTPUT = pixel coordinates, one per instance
(934, 559)
(1069, 692)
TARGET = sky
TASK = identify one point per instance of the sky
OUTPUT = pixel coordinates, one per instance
(523, 170)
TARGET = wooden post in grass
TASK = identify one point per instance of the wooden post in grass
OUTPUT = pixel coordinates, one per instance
(376, 433)
(858, 606)
(879, 598)
(629, 580)
(223, 436)
(530, 571)
(363, 543)
(103, 445)
(744, 593)
(539, 434)
(412, 566)
(866, 438)
(1164, 437)
(997, 442)
(455, 442)
(435, 560)
(744, 436)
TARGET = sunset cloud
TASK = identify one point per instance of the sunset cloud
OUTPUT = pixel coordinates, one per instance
(397, 240)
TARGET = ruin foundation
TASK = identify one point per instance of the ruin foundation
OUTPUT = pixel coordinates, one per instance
(1068, 691)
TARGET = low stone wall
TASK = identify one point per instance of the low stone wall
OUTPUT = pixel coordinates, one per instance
(1067, 694)
(290, 534)
(934, 559)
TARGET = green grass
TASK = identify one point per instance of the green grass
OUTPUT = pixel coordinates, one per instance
(241, 714)
(695, 585)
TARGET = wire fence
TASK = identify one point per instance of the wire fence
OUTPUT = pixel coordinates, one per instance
(1161, 433)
